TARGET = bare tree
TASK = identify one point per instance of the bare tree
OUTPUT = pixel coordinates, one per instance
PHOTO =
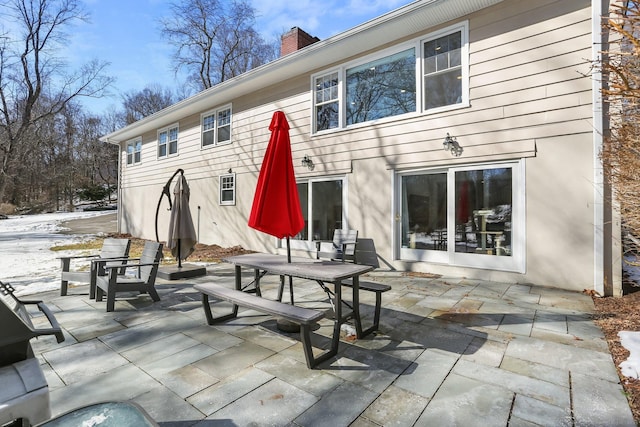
(31, 71)
(215, 40)
(621, 152)
(138, 105)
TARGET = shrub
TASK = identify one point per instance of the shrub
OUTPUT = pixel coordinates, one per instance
(7, 209)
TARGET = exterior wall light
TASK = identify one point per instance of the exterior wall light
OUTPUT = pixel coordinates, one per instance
(451, 143)
(306, 161)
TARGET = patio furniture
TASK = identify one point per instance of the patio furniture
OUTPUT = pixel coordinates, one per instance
(24, 395)
(24, 392)
(115, 249)
(378, 288)
(318, 271)
(342, 247)
(305, 317)
(17, 327)
(104, 414)
(144, 280)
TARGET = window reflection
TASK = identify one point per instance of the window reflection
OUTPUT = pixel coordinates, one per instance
(326, 209)
(443, 71)
(483, 205)
(382, 88)
(424, 205)
(483, 211)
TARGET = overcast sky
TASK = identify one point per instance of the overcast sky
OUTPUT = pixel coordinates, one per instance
(125, 33)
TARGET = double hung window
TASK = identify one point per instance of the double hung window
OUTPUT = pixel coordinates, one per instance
(327, 102)
(443, 71)
(134, 151)
(228, 189)
(168, 141)
(421, 76)
(216, 127)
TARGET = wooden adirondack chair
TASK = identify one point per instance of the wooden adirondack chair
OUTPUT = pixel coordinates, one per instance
(115, 249)
(144, 281)
(342, 248)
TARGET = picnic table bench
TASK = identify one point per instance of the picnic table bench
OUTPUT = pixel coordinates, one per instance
(376, 287)
(305, 317)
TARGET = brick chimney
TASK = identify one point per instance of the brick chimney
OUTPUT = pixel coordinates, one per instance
(294, 40)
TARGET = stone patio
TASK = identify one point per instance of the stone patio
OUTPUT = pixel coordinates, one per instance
(449, 352)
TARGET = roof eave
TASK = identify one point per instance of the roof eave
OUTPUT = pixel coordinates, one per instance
(402, 22)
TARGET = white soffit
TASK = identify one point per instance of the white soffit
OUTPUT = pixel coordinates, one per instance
(413, 18)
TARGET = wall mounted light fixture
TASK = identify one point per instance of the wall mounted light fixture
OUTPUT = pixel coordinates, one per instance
(306, 161)
(451, 143)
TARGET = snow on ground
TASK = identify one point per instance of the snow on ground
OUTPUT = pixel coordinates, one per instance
(631, 341)
(26, 260)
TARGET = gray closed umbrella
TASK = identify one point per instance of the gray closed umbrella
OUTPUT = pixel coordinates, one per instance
(182, 234)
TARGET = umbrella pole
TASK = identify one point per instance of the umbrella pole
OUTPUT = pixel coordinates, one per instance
(284, 324)
(290, 278)
(179, 257)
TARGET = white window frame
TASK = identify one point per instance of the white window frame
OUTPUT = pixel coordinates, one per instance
(309, 243)
(463, 27)
(418, 45)
(167, 144)
(223, 183)
(514, 263)
(136, 145)
(315, 103)
(216, 126)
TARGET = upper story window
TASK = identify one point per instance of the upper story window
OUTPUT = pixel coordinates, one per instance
(422, 76)
(134, 150)
(443, 71)
(168, 141)
(216, 127)
(326, 102)
(228, 189)
(382, 88)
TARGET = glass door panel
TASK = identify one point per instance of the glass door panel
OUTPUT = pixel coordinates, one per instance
(326, 209)
(424, 211)
(303, 194)
(483, 211)
(323, 209)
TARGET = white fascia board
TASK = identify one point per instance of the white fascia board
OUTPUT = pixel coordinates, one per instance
(402, 22)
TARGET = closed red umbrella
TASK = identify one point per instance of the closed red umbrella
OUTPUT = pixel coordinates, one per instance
(276, 205)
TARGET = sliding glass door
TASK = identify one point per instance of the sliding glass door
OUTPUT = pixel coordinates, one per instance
(323, 203)
(468, 216)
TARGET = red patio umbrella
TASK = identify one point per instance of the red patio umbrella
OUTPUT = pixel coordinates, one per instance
(276, 205)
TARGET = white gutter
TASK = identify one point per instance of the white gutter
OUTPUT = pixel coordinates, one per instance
(598, 132)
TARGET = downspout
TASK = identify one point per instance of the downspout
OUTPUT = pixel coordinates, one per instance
(119, 187)
(602, 227)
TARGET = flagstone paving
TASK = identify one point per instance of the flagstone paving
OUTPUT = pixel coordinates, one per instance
(449, 352)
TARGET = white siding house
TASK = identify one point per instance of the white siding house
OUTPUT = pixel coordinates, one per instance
(519, 196)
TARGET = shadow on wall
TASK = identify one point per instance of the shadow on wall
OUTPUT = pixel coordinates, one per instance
(367, 255)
